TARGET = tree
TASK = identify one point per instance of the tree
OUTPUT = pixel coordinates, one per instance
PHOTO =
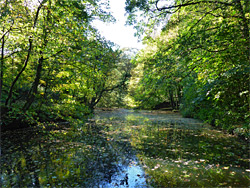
(114, 95)
(206, 45)
(51, 55)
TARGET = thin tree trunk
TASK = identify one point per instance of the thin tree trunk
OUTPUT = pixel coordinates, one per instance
(20, 73)
(33, 92)
(27, 58)
(1, 71)
(34, 89)
(171, 99)
(245, 25)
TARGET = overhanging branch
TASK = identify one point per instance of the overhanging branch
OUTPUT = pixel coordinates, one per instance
(189, 4)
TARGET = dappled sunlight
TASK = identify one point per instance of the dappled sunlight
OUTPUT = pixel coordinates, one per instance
(126, 148)
(176, 151)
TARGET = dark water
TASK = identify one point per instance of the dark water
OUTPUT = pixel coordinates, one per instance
(125, 148)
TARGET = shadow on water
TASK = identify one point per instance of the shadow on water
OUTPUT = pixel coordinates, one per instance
(125, 148)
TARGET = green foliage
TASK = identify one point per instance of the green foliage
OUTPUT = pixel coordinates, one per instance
(200, 60)
(53, 62)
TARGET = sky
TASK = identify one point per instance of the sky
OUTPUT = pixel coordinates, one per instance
(118, 32)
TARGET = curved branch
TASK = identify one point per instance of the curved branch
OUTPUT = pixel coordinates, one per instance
(191, 3)
(6, 32)
(27, 58)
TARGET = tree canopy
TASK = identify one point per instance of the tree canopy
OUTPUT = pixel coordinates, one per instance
(54, 64)
(199, 61)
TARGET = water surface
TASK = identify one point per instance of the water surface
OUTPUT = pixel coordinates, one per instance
(125, 148)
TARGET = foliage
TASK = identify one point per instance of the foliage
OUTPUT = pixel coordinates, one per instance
(200, 60)
(54, 64)
(116, 97)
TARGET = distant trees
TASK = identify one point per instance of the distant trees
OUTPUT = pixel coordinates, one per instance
(116, 91)
(200, 59)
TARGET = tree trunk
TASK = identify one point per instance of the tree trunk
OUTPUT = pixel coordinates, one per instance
(31, 97)
(27, 58)
(179, 95)
(34, 89)
(20, 73)
(245, 25)
(171, 97)
(1, 70)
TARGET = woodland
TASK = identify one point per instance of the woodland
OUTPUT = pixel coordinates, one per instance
(56, 67)
(77, 110)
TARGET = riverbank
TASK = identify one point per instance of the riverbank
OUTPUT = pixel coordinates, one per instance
(125, 148)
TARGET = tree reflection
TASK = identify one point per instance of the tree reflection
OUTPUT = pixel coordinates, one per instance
(174, 152)
(86, 159)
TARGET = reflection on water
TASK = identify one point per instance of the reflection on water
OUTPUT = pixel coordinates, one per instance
(125, 148)
(130, 176)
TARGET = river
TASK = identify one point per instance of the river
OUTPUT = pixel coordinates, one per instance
(125, 148)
